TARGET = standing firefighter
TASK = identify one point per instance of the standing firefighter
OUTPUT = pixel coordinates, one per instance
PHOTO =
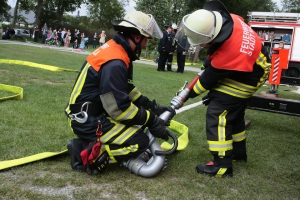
(105, 107)
(173, 48)
(164, 48)
(237, 65)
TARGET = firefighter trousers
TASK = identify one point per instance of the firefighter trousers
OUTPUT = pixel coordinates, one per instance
(120, 141)
(169, 61)
(225, 131)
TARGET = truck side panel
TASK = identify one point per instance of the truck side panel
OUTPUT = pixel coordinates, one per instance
(296, 45)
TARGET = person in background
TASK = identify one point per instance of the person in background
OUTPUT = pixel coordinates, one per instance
(116, 107)
(6, 35)
(102, 38)
(95, 40)
(75, 45)
(50, 33)
(63, 36)
(59, 35)
(68, 38)
(164, 48)
(281, 45)
(233, 73)
(12, 32)
(182, 51)
(44, 33)
(36, 33)
(173, 48)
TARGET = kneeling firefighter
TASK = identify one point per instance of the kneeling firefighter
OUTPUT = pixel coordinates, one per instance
(105, 108)
(237, 64)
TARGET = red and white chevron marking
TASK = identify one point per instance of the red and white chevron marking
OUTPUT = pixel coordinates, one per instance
(275, 71)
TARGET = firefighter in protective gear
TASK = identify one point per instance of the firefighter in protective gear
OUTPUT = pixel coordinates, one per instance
(113, 108)
(237, 64)
(173, 48)
(164, 48)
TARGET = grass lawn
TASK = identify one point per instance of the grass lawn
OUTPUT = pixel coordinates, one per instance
(37, 124)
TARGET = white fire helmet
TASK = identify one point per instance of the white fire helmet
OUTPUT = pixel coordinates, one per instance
(200, 27)
(144, 23)
(174, 26)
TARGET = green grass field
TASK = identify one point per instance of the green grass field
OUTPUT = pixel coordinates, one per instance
(37, 124)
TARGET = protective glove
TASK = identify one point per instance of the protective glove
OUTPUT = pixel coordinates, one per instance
(206, 100)
(159, 109)
(158, 129)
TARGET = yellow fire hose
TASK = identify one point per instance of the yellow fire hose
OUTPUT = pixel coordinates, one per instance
(18, 94)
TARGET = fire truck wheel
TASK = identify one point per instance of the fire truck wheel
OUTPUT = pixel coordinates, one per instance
(293, 72)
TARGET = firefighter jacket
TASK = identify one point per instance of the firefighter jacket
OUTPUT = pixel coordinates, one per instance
(174, 44)
(105, 79)
(165, 43)
(236, 67)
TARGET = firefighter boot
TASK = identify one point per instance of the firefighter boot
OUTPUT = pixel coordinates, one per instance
(75, 146)
(239, 157)
(217, 170)
(239, 151)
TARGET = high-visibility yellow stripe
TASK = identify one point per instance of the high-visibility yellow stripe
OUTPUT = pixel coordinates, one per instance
(198, 88)
(129, 113)
(221, 172)
(148, 116)
(238, 85)
(125, 135)
(113, 131)
(221, 126)
(124, 150)
(232, 91)
(134, 94)
(78, 86)
(220, 146)
(239, 136)
(111, 157)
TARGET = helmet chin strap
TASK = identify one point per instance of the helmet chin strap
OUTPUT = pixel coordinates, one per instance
(138, 46)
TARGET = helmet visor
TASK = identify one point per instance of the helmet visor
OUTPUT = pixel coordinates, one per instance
(153, 29)
(184, 42)
(193, 37)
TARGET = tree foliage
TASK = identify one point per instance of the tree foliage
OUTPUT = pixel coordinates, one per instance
(103, 12)
(164, 11)
(239, 7)
(291, 5)
(4, 7)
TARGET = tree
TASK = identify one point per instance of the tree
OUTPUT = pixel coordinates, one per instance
(66, 6)
(291, 5)
(4, 7)
(239, 7)
(103, 12)
(164, 11)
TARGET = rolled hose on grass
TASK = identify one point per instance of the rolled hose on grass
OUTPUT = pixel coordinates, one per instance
(18, 94)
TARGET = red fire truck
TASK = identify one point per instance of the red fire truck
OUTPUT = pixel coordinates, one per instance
(274, 27)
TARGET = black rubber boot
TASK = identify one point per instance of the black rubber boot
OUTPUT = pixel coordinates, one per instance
(239, 151)
(239, 158)
(212, 170)
(75, 146)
